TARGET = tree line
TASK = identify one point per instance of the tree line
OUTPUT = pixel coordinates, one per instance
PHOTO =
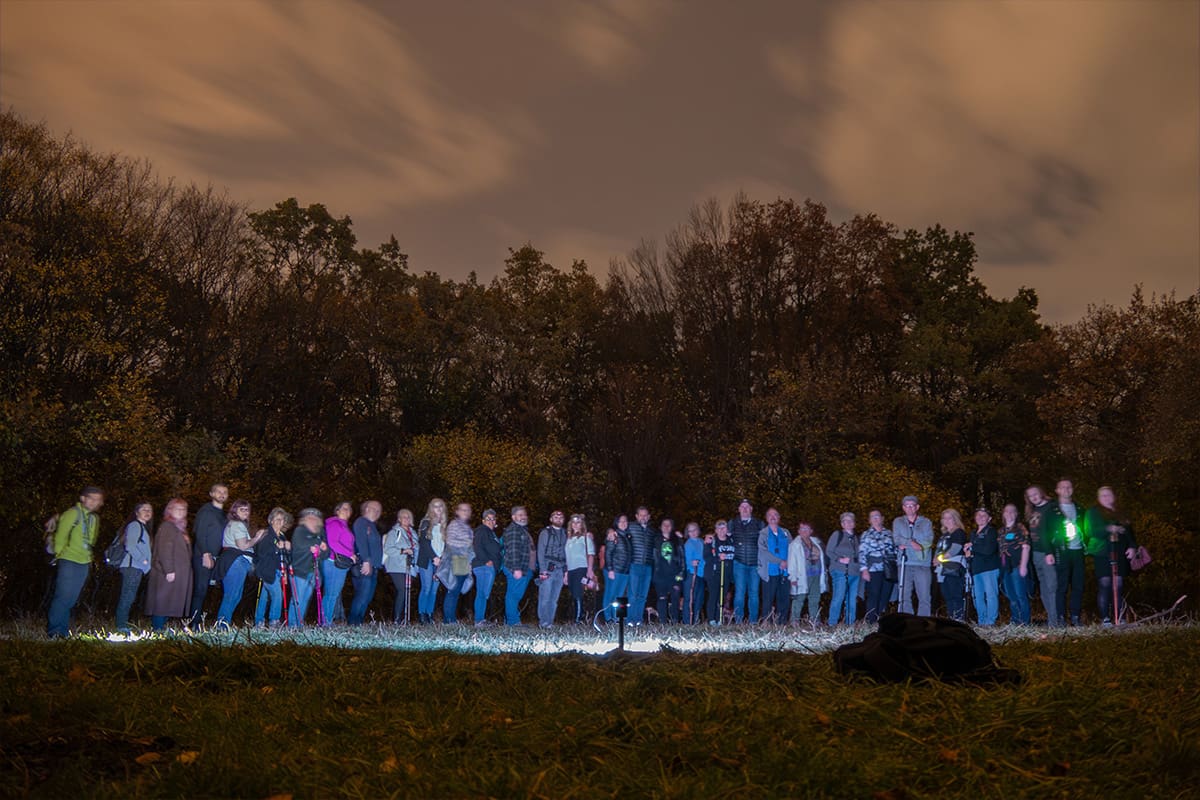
(156, 337)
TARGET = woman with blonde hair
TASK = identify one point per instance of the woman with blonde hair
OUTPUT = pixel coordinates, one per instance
(581, 560)
(951, 563)
(1112, 545)
(431, 543)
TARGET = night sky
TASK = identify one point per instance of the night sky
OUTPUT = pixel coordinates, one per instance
(1066, 135)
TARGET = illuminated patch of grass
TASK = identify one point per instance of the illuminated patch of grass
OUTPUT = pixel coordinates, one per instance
(370, 713)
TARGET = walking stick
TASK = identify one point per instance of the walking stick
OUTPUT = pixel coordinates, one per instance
(317, 586)
(903, 566)
(692, 598)
(1112, 565)
(257, 597)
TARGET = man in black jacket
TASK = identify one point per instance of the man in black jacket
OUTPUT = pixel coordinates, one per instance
(209, 528)
(642, 569)
(743, 529)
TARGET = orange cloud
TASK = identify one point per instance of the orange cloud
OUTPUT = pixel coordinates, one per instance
(1065, 139)
(263, 96)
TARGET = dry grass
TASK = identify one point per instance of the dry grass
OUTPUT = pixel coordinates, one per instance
(728, 713)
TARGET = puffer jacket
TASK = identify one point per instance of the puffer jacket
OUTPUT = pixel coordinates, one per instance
(642, 539)
(745, 540)
(618, 553)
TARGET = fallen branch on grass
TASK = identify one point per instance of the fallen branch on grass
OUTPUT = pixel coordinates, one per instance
(1160, 614)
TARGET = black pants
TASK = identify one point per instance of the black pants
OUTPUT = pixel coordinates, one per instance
(131, 579)
(669, 594)
(776, 590)
(879, 594)
(717, 588)
(1070, 582)
(575, 585)
(1104, 596)
(953, 587)
(201, 576)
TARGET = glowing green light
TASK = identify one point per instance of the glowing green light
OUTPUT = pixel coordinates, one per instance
(1072, 531)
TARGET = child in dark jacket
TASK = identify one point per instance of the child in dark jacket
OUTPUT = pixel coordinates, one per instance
(718, 570)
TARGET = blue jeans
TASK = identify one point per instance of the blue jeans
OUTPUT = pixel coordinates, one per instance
(272, 594)
(1017, 592)
(427, 597)
(513, 594)
(450, 601)
(131, 579)
(987, 596)
(614, 587)
(158, 623)
(845, 591)
(485, 578)
(745, 583)
(69, 578)
(548, 592)
(333, 578)
(232, 587)
(364, 592)
(639, 589)
(301, 587)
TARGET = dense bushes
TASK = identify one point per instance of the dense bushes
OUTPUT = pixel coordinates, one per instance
(155, 337)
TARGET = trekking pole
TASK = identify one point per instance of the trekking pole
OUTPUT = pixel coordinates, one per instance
(903, 567)
(283, 587)
(721, 596)
(407, 595)
(317, 587)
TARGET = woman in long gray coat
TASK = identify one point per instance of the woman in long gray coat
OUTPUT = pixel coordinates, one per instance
(170, 586)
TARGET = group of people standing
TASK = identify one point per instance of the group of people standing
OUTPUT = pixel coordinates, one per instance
(743, 570)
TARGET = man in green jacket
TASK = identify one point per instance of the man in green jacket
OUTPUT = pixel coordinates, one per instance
(74, 538)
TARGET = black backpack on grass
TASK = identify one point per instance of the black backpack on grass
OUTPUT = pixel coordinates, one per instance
(908, 647)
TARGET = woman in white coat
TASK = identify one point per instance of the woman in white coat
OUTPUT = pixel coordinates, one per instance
(808, 572)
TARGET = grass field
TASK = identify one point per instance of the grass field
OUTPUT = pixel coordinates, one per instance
(498, 713)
